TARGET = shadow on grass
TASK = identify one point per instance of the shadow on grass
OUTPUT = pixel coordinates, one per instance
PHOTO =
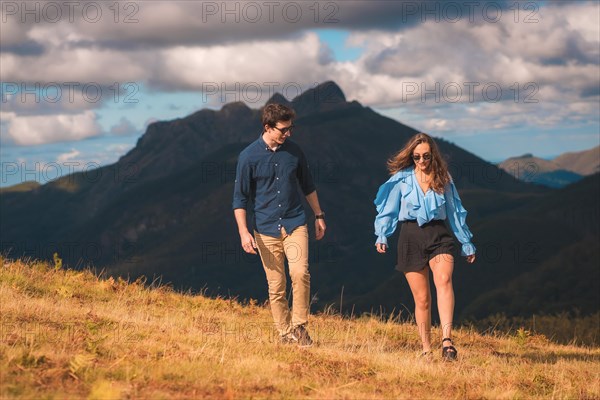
(553, 358)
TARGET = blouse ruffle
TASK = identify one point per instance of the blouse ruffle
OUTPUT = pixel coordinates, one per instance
(422, 208)
(457, 217)
(387, 203)
(433, 203)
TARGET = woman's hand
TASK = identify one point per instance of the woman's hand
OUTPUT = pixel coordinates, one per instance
(471, 259)
(381, 247)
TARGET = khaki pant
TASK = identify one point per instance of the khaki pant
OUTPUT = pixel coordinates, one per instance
(273, 252)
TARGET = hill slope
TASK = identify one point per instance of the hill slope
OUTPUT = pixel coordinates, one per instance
(69, 334)
(581, 162)
(570, 280)
(165, 207)
(563, 170)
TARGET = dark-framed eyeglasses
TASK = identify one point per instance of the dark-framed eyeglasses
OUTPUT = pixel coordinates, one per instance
(286, 129)
(426, 157)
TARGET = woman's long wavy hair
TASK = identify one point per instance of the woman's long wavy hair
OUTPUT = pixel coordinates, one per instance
(403, 159)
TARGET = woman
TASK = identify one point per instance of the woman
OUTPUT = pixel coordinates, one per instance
(421, 195)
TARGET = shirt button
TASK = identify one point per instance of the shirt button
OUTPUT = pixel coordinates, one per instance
(278, 191)
(280, 205)
(277, 178)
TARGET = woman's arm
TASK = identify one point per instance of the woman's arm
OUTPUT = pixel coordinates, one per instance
(457, 216)
(387, 202)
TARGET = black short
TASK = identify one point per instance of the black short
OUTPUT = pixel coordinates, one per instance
(419, 244)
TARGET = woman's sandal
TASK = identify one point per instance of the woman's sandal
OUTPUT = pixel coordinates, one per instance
(449, 353)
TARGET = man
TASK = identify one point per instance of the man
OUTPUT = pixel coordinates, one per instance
(268, 173)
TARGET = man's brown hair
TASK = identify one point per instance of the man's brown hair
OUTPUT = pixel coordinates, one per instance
(273, 113)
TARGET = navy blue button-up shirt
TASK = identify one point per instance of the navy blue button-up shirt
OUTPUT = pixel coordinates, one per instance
(270, 179)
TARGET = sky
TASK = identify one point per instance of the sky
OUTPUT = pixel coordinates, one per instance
(81, 81)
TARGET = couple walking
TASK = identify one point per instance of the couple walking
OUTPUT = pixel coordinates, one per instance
(420, 194)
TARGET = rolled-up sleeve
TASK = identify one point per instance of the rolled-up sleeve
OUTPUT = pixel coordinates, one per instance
(241, 187)
(457, 217)
(387, 202)
(304, 176)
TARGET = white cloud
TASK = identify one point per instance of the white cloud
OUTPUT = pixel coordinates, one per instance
(171, 48)
(504, 52)
(158, 24)
(258, 62)
(118, 148)
(551, 63)
(53, 98)
(41, 129)
(124, 127)
(7, 115)
(550, 53)
(64, 157)
(266, 66)
(82, 66)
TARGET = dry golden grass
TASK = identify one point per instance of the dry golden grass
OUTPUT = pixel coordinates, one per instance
(69, 334)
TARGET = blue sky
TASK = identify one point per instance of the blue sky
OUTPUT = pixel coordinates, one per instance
(499, 79)
(337, 40)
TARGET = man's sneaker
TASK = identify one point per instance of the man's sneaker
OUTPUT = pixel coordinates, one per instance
(302, 336)
(289, 339)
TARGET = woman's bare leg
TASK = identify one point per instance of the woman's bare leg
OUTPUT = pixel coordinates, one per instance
(419, 286)
(442, 266)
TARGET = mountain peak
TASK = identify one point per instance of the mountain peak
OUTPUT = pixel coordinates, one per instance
(324, 97)
(527, 155)
(236, 106)
(278, 98)
(236, 110)
(326, 92)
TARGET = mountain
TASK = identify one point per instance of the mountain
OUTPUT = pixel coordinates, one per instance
(555, 286)
(566, 274)
(164, 209)
(558, 172)
(582, 162)
(21, 187)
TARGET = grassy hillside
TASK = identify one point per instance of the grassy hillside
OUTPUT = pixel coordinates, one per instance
(71, 334)
(21, 187)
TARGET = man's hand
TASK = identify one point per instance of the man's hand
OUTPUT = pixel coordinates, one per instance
(320, 228)
(381, 247)
(248, 242)
(471, 259)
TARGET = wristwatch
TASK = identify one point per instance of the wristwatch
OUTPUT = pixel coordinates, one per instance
(320, 216)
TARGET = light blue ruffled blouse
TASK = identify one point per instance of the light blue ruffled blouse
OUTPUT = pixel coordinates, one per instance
(402, 199)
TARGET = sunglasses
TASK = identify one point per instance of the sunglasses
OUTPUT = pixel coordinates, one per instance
(286, 129)
(426, 157)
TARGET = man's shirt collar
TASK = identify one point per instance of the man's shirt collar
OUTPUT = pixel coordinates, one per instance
(265, 146)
